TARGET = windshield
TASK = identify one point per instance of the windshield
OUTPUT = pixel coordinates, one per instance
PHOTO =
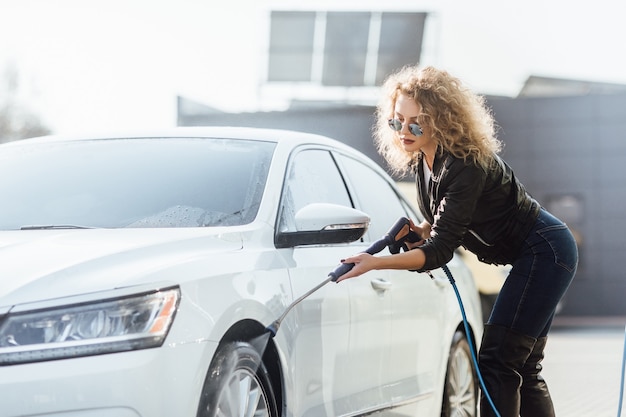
(132, 183)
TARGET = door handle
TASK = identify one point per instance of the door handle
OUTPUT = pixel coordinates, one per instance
(380, 284)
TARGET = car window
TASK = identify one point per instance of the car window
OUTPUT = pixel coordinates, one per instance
(312, 177)
(373, 195)
(156, 182)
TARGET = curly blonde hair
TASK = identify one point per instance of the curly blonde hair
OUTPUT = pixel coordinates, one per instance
(460, 121)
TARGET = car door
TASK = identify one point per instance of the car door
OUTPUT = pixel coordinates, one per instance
(333, 353)
(412, 359)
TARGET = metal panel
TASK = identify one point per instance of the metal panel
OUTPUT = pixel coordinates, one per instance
(401, 36)
(291, 46)
(347, 35)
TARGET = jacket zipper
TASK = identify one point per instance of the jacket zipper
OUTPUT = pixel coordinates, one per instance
(480, 239)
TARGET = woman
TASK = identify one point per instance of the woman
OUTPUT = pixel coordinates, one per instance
(428, 122)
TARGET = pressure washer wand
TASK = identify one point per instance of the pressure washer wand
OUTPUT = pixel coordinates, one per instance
(273, 328)
(395, 236)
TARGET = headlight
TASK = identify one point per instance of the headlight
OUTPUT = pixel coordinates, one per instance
(114, 325)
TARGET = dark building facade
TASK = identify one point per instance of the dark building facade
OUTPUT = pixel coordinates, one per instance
(570, 152)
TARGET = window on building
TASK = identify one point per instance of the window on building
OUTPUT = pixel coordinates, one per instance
(348, 49)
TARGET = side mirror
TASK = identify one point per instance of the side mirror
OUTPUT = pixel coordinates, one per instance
(323, 223)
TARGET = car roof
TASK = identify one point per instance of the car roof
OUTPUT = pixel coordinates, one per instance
(227, 132)
(284, 138)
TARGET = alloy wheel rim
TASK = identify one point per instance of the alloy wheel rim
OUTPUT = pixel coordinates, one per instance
(462, 386)
(243, 396)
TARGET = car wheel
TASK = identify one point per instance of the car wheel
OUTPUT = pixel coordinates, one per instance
(460, 394)
(237, 384)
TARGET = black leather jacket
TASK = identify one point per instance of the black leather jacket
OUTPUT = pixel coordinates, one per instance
(487, 212)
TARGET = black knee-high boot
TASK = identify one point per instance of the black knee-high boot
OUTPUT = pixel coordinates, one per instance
(536, 400)
(503, 353)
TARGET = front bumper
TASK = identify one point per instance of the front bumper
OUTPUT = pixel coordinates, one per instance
(157, 382)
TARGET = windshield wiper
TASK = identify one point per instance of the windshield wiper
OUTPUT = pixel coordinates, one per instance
(54, 226)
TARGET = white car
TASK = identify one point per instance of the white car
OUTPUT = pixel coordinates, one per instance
(141, 274)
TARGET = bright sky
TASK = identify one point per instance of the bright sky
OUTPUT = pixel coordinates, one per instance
(109, 64)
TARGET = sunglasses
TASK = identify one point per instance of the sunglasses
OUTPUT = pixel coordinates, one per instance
(414, 128)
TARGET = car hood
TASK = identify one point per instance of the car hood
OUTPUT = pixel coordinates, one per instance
(46, 264)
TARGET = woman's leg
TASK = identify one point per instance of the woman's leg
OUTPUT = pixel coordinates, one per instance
(521, 316)
(503, 352)
(535, 396)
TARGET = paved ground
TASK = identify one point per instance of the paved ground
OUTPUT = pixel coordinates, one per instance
(583, 366)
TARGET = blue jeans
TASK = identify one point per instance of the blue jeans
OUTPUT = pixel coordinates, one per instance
(538, 279)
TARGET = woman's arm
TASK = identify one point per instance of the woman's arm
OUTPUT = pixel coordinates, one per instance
(364, 262)
(410, 260)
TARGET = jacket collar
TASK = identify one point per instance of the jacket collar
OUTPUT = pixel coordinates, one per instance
(441, 157)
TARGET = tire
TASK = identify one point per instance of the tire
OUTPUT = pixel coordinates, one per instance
(237, 384)
(460, 394)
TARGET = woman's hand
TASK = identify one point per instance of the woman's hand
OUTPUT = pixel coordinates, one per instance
(363, 262)
(422, 230)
